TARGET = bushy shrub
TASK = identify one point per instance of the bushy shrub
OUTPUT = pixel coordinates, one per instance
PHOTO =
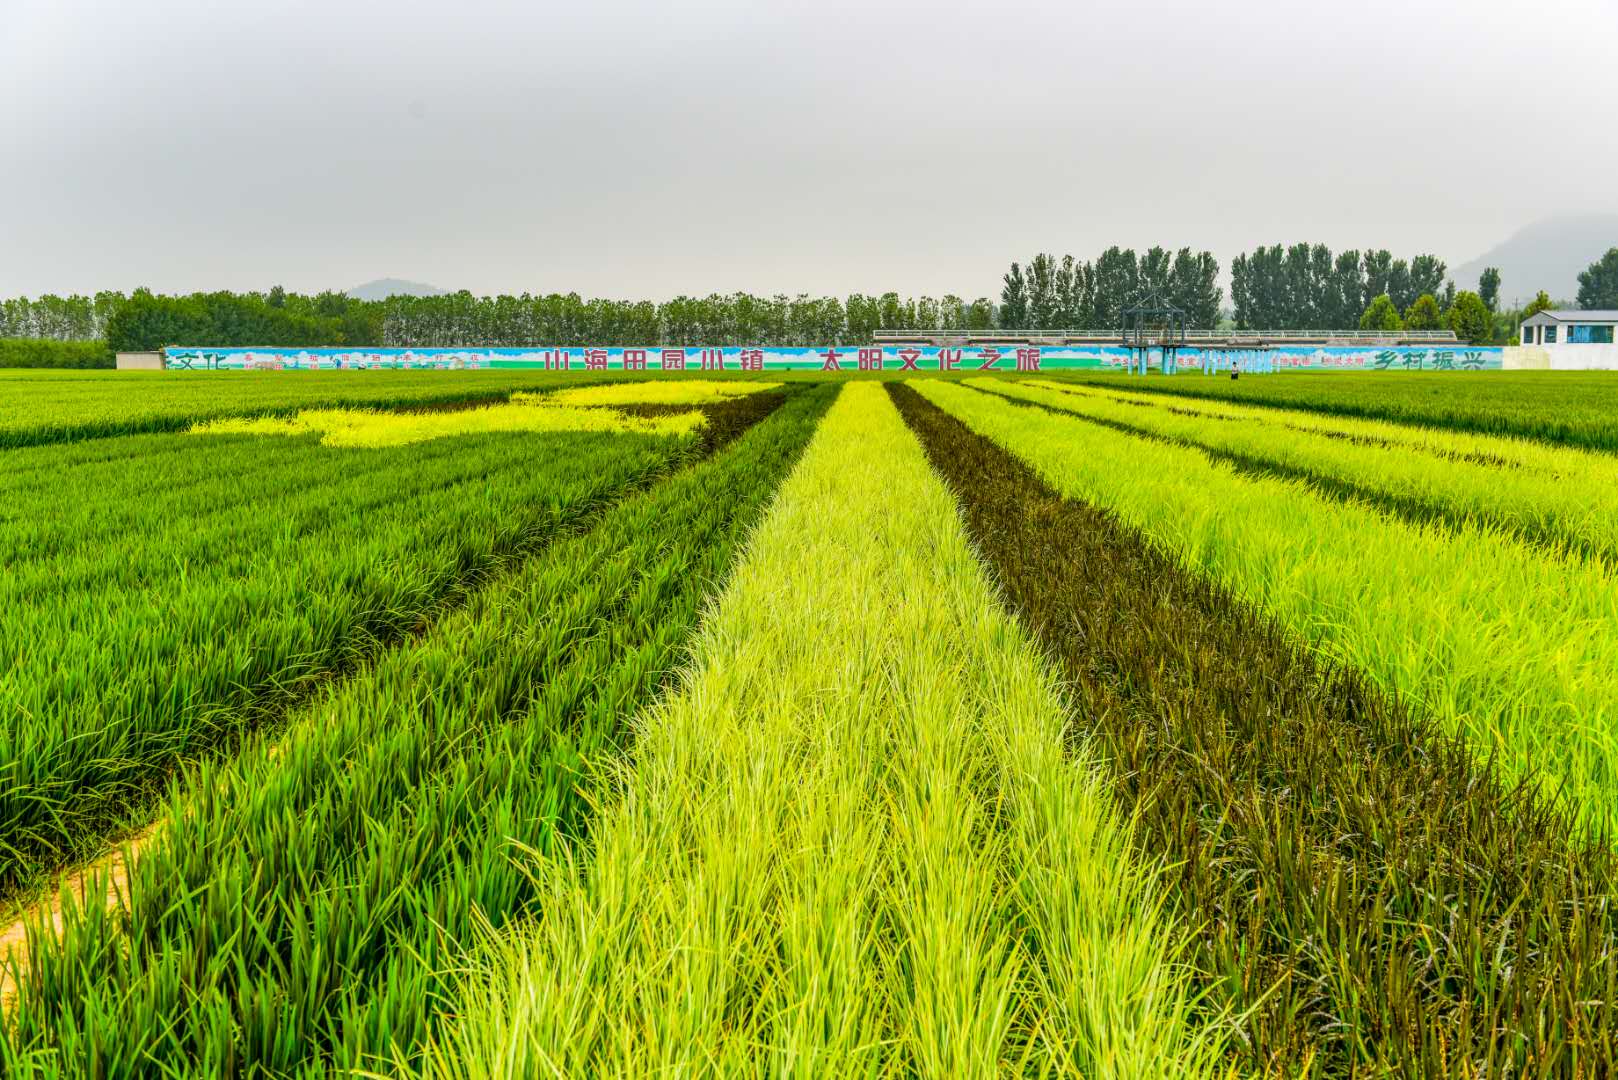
(45, 353)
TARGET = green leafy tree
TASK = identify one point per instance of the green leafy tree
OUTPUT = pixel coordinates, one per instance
(1067, 294)
(1117, 282)
(1382, 315)
(1489, 288)
(980, 315)
(1470, 319)
(1241, 290)
(1014, 300)
(1153, 272)
(1376, 275)
(1401, 287)
(1426, 275)
(1541, 302)
(1424, 314)
(147, 322)
(1194, 286)
(1345, 292)
(1042, 298)
(1598, 286)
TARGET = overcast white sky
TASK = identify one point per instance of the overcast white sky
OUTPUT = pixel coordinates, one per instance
(640, 149)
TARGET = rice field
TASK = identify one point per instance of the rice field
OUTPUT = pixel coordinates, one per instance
(491, 724)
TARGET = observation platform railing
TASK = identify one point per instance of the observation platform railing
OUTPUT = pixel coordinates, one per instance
(1229, 339)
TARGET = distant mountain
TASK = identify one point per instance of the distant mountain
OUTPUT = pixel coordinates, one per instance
(382, 288)
(1547, 255)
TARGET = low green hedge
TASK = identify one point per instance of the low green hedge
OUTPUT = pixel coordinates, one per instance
(45, 353)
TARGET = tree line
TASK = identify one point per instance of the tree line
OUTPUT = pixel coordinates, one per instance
(144, 320)
(1073, 295)
(737, 319)
(1282, 287)
(1307, 287)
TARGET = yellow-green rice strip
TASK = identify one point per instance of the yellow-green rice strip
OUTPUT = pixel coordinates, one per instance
(680, 392)
(368, 428)
(1571, 463)
(853, 843)
(1556, 496)
(1512, 647)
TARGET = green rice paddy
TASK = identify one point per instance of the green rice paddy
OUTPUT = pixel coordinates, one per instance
(476, 724)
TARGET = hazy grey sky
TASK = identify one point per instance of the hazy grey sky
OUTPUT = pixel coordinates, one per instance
(633, 148)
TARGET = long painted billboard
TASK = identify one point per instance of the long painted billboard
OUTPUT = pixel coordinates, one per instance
(1008, 357)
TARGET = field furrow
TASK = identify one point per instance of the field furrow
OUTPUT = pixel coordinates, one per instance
(1366, 896)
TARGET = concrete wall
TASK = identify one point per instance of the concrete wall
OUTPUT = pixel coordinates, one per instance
(1525, 358)
(140, 361)
(1583, 357)
(1560, 357)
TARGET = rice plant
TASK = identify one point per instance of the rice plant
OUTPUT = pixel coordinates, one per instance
(685, 392)
(1570, 408)
(1556, 497)
(303, 900)
(853, 843)
(1365, 896)
(1513, 649)
(377, 429)
(71, 406)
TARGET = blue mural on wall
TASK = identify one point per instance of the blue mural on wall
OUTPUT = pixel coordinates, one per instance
(1009, 357)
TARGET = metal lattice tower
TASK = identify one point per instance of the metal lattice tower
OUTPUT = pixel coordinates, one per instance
(1152, 322)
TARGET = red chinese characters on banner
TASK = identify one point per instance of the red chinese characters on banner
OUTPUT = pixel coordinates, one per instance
(713, 360)
(752, 359)
(990, 357)
(870, 359)
(830, 363)
(558, 360)
(1028, 359)
(673, 359)
(595, 359)
(908, 358)
(949, 359)
(634, 359)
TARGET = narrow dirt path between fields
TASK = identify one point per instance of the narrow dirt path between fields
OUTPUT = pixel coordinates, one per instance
(111, 871)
